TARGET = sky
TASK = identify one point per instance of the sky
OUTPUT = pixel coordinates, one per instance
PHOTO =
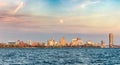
(43, 19)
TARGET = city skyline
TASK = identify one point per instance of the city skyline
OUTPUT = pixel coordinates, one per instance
(52, 43)
(31, 19)
(45, 37)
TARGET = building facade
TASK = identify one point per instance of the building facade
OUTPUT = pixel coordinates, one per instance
(63, 42)
(111, 40)
(76, 42)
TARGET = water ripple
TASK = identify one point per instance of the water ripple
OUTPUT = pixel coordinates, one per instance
(59, 56)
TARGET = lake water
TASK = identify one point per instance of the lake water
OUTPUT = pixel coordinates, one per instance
(59, 56)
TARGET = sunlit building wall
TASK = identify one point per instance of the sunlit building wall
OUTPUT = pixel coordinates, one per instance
(111, 40)
(63, 42)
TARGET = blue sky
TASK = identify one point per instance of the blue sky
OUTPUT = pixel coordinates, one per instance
(93, 17)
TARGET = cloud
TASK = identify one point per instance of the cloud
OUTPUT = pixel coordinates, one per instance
(20, 5)
(82, 24)
(85, 4)
(46, 24)
(75, 5)
(11, 6)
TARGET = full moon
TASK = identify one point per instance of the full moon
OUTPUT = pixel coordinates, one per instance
(61, 21)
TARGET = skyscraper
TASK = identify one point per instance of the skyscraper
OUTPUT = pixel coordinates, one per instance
(111, 40)
(63, 41)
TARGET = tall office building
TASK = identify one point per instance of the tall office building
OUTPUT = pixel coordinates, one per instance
(63, 42)
(111, 40)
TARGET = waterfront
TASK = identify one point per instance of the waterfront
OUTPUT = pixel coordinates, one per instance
(59, 56)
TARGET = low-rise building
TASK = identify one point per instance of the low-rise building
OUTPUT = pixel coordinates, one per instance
(51, 43)
(89, 42)
(76, 42)
(103, 45)
(12, 43)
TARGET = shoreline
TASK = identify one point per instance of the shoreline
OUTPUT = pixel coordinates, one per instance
(55, 47)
